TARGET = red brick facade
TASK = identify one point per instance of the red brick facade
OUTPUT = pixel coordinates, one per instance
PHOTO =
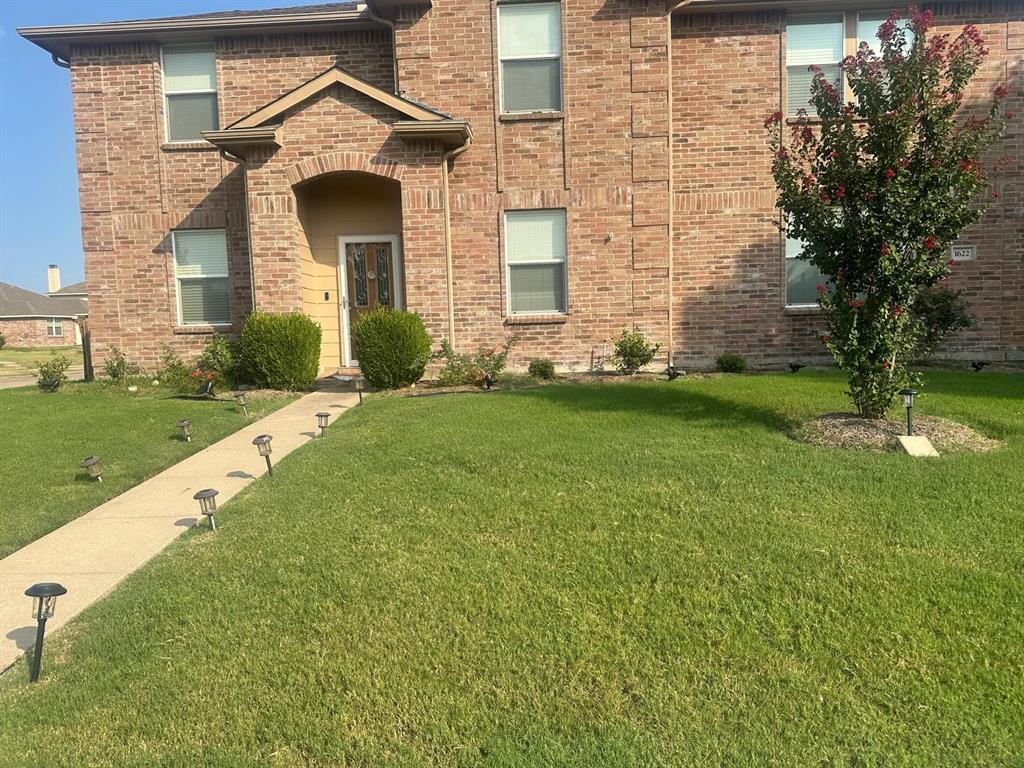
(33, 332)
(632, 81)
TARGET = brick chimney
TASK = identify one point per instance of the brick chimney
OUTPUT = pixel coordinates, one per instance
(52, 278)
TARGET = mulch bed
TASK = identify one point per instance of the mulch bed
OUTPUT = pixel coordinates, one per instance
(848, 430)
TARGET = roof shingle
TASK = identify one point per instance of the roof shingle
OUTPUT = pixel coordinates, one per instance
(17, 302)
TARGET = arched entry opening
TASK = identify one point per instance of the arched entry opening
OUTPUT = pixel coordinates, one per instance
(350, 248)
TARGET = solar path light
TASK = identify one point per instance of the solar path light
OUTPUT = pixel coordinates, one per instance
(908, 403)
(359, 390)
(207, 499)
(44, 600)
(186, 429)
(91, 464)
(243, 400)
(262, 443)
(321, 421)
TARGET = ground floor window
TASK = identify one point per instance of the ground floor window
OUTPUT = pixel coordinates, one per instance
(535, 256)
(802, 277)
(55, 327)
(201, 272)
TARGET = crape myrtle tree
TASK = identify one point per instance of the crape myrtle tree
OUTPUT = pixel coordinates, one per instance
(877, 189)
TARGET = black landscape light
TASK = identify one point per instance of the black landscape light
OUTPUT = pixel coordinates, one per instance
(979, 365)
(488, 380)
(672, 372)
(243, 400)
(359, 390)
(44, 600)
(207, 499)
(186, 429)
(262, 443)
(91, 464)
(321, 421)
(908, 403)
(795, 367)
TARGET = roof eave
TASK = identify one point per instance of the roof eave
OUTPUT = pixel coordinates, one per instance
(59, 39)
(237, 140)
(449, 132)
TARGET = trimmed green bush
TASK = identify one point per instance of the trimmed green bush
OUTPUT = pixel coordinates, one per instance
(117, 367)
(633, 352)
(541, 368)
(54, 372)
(729, 363)
(280, 351)
(392, 347)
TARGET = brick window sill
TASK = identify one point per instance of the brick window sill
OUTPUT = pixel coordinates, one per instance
(519, 117)
(200, 330)
(188, 146)
(536, 319)
(798, 311)
(815, 120)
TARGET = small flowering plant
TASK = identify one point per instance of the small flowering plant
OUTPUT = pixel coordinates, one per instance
(879, 187)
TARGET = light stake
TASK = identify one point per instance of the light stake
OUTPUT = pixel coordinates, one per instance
(207, 499)
(908, 403)
(91, 464)
(262, 443)
(243, 400)
(44, 600)
(321, 421)
(186, 429)
(359, 390)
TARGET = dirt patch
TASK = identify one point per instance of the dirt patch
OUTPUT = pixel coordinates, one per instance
(848, 430)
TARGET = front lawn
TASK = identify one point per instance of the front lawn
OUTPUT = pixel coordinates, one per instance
(45, 435)
(575, 575)
(23, 361)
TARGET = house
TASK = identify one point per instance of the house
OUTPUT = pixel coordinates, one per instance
(53, 288)
(556, 171)
(29, 319)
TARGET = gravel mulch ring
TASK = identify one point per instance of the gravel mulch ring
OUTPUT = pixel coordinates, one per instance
(848, 430)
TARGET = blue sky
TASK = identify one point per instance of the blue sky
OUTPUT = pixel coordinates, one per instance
(39, 219)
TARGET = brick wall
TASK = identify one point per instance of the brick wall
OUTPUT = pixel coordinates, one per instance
(31, 332)
(605, 159)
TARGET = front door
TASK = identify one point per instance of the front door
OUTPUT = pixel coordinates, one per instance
(369, 281)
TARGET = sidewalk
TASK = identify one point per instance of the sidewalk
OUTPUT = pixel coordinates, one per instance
(93, 553)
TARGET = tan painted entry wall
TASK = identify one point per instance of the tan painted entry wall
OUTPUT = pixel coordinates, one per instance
(341, 204)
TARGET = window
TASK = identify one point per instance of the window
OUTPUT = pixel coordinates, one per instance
(867, 29)
(201, 271)
(55, 327)
(802, 277)
(535, 255)
(807, 43)
(530, 56)
(190, 92)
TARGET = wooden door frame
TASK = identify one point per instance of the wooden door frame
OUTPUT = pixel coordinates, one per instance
(344, 307)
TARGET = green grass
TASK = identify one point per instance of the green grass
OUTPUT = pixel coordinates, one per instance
(22, 361)
(603, 575)
(45, 435)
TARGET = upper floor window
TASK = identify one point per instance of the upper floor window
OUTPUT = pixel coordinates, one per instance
(535, 251)
(530, 57)
(201, 271)
(868, 23)
(818, 42)
(190, 91)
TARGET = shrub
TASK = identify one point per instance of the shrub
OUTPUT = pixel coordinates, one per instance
(462, 368)
(392, 346)
(541, 369)
(938, 314)
(175, 374)
(220, 359)
(53, 372)
(729, 363)
(117, 367)
(632, 352)
(280, 351)
(3, 341)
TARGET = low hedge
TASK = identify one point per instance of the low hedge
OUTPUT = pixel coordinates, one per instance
(392, 347)
(280, 351)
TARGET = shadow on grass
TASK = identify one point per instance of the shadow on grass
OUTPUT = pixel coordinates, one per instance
(659, 400)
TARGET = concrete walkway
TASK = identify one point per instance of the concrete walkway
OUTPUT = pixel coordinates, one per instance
(93, 553)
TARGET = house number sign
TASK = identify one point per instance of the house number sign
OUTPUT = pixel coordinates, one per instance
(963, 252)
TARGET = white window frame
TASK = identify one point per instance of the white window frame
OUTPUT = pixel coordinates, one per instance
(809, 18)
(564, 261)
(786, 258)
(545, 57)
(178, 279)
(166, 93)
(54, 323)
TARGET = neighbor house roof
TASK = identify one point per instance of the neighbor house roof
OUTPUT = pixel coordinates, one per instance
(75, 289)
(18, 302)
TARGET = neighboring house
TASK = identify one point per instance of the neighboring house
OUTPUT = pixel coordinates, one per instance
(29, 319)
(551, 170)
(75, 290)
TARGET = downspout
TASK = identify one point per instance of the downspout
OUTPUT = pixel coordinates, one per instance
(673, 6)
(445, 161)
(59, 61)
(374, 16)
(225, 155)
